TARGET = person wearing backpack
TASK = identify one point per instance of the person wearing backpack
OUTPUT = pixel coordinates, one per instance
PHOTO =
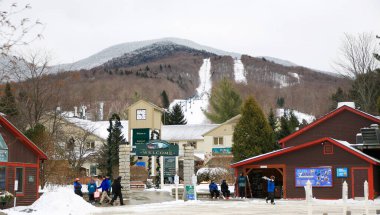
(91, 187)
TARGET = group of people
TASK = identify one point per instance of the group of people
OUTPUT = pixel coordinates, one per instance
(241, 184)
(214, 192)
(106, 186)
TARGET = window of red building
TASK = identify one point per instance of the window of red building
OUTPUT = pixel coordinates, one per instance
(328, 149)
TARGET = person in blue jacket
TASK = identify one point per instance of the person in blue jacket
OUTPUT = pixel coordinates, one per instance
(270, 189)
(78, 187)
(91, 187)
(213, 190)
(105, 185)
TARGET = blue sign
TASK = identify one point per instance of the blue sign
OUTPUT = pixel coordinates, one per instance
(342, 172)
(318, 176)
(221, 151)
(140, 163)
(190, 192)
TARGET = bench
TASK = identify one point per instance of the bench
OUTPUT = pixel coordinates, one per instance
(137, 185)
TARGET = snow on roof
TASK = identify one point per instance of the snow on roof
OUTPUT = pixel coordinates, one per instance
(350, 146)
(268, 153)
(185, 132)
(98, 128)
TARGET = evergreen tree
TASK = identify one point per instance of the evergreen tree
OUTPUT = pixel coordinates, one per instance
(293, 122)
(165, 100)
(109, 154)
(280, 102)
(378, 105)
(338, 96)
(252, 135)
(8, 102)
(285, 129)
(175, 116)
(225, 102)
(272, 120)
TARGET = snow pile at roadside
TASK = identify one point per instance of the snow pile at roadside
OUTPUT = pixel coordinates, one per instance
(59, 201)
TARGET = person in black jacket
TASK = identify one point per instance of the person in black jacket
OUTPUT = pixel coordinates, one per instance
(225, 190)
(116, 191)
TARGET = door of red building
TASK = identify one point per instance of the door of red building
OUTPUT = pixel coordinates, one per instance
(359, 175)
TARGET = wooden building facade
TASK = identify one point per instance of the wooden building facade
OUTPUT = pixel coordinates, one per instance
(322, 152)
(19, 164)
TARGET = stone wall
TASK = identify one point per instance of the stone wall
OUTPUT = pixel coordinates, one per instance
(124, 169)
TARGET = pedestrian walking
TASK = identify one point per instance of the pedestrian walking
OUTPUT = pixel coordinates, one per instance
(225, 190)
(91, 187)
(270, 189)
(105, 189)
(242, 181)
(116, 191)
(78, 187)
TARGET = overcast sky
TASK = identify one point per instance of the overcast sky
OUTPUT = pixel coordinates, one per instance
(307, 33)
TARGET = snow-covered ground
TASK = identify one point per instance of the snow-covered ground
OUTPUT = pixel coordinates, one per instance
(193, 107)
(62, 201)
(300, 116)
(239, 72)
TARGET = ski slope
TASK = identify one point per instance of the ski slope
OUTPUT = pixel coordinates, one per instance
(239, 72)
(193, 107)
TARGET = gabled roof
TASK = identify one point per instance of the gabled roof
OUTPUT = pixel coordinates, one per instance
(341, 144)
(185, 132)
(11, 128)
(224, 123)
(149, 103)
(328, 116)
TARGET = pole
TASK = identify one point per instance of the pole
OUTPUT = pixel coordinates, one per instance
(176, 182)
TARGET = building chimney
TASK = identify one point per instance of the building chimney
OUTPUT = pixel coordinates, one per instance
(101, 107)
(349, 104)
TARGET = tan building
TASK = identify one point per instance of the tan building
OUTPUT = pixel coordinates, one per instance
(219, 139)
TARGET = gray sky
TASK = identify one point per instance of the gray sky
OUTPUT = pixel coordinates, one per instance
(305, 32)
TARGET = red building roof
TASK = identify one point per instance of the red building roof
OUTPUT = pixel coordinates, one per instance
(10, 127)
(341, 144)
(328, 116)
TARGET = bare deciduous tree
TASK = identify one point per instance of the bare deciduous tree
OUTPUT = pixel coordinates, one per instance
(76, 147)
(356, 55)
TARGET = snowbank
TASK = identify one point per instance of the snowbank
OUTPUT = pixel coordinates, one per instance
(61, 200)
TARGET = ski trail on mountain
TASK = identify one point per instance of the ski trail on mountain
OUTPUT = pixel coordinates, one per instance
(193, 107)
(239, 72)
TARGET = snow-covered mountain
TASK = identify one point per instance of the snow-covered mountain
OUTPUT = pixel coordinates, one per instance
(121, 49)
(124, 48)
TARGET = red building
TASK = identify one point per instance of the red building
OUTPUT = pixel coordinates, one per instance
(314, 153)
(19, 161)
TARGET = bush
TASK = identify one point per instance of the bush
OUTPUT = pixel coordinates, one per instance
(216, 174)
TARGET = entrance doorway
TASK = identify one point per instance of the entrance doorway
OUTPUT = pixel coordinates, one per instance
(257, 186)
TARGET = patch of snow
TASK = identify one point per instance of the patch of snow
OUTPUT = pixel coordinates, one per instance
(98, 128)
(193, 107)
(295, 75)
(59, 201)
(300, 116)
(239, 72)
(186, 132)
(282, 80)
